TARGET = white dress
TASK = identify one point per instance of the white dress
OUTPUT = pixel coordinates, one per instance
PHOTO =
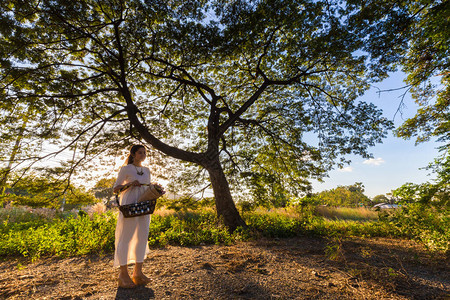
(131, 242)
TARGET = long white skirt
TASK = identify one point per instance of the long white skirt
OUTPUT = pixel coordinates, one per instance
(131, 233)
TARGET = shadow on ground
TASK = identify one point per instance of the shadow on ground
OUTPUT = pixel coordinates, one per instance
(139, 293)
(389, 267)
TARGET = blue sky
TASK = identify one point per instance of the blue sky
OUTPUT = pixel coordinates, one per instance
(396, 161)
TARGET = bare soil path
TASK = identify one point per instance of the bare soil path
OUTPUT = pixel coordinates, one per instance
(295, 268)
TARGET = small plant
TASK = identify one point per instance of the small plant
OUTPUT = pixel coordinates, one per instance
(334, 250)
(392, 272)
(366, 252)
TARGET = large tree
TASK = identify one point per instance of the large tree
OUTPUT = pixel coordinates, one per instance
(234, 87)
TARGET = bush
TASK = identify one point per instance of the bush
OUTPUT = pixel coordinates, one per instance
(188, 229)
(60, 237)
(425, 223)
(280, 222)
(274, 225)
(33, 236)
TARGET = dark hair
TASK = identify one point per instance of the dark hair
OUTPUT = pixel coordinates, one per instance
(133, 150)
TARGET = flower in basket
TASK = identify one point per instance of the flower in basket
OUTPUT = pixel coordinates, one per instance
(159, 188)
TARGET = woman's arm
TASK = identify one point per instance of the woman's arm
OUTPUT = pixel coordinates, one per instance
(118, 187)
(133, 183)
(121, 179)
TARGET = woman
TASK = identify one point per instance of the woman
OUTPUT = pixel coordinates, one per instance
(132, 233)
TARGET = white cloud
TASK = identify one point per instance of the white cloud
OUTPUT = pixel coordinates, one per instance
(346, 170)
(374, 161)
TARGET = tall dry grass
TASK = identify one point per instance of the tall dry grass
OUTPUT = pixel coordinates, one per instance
(290, 212)
(17, 214)
(346, 213)
(98, 208)
(163, 211)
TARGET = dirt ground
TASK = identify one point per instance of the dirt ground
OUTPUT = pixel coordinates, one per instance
(295, 268)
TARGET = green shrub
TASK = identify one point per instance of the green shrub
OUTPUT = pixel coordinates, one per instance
(353, 228)
(274, 225)
(61, 237)
(188, 229)
(423, 222)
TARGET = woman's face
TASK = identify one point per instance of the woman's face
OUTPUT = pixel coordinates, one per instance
(140, 155)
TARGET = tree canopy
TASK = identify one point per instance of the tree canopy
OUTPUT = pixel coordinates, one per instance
(352, 195)
(414, 36)
(36, 191)
(427, 58)
(254, 88)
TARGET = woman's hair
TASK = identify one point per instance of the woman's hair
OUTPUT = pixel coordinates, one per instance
(133, 150)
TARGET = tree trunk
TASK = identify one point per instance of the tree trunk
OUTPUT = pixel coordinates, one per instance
(224, 202)
(5, 172)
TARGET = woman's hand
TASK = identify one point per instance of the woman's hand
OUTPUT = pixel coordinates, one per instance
(135, 183)
(117, 189)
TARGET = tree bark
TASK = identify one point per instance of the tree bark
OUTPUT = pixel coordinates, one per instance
(224, 202)
(16, 148)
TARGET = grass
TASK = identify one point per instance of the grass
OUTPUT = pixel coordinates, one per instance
(35, 233)
(347, 213)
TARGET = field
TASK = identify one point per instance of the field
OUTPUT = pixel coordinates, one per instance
(284, 255)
